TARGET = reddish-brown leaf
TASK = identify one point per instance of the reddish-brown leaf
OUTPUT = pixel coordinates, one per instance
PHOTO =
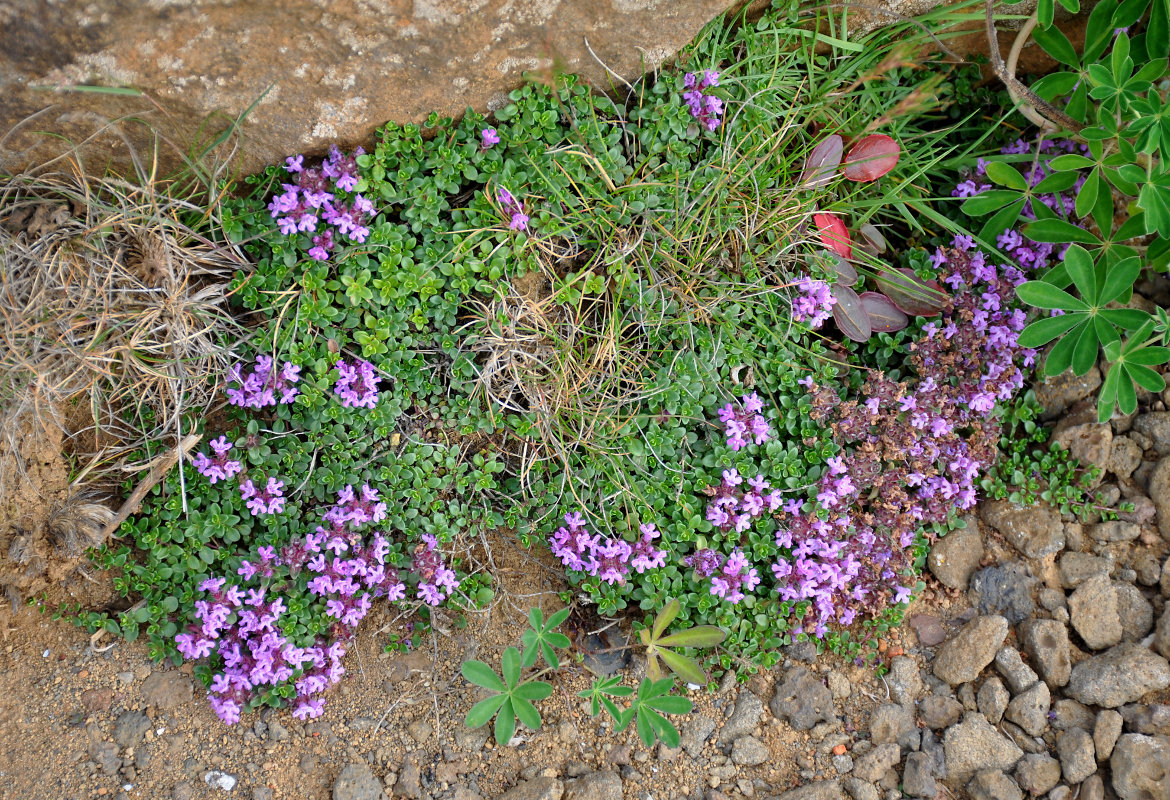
(884, 316)
(821, 165)
(849, 314)
(910, 294)
(871, 158)
(873, 238)
(833, 234)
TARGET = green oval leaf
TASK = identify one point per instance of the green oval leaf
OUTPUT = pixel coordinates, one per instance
(1043, 331)
(1057, 231)
(481, 674)
(1005, 175)
(482, 712)
(685, 667)
(1044, 295)
(698, 636)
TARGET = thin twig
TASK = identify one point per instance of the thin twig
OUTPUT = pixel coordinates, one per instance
(146, 484)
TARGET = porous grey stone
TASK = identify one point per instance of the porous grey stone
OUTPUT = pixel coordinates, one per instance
(939, 712)
(1076, 568)
(1093, 610)
(1090, 443)
(1118, 676)
(1037, 773)
(992, 784)
(1004, 589)
(539, 788)
(954, 557)
(961, 659)
(130, 727)
(1068, 713)
(1029, 709)
(1141, 767)
(861, 790)
(1058, 393)
(802, 700)
(1016, 674)
(1152, 719)
(904, 681)
(1135, 611)
(1078, 759)
(602, 785)
(918, 776)
(748, 751)
(1156, 426)
(894, 723)
(873, 765)
(744, 718)
(1115, 531)
(1124, 457)
(1159, 492)
(1162, 633)
(1105, 732)
(974, 745)
(1035, 530)
(1046, 643)
(993, 699)
(1092, 788)
(695, 733)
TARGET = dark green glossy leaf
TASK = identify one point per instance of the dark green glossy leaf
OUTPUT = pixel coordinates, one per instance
(482, 712)
(1079, 265)
(1084, 355)
(1127, 318)
(1044, 295)
(1143, 376)
(1120, 278)
(989, 201)
(505, 723)
(1057, 45)
(1043, 331)
(1058, 231)
(1006, 175)
(1060, 357)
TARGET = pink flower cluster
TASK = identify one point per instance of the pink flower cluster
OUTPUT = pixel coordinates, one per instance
(731, 577)
(707, 108)
(269, 500)
(218, 467)
(733, 507)
(259, 387)
(312, 198)
(745, 422)
(436, 582)
(242, 627)
(609, 559)
(357, 384)
(514, 207)
(815, 304)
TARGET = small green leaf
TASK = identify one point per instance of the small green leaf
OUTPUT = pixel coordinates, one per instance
(671, 704)
(532, 690)
(988, 201)
(1085, 353)
(1128, 318)
(685, 667)
(698, 636)
(1043, 331)
(510, 666)
(481, 674)
(526, 712)
(505, 723)
(1079, 265)
(665, 617)
(1044, 295)
(558, 619)
(1005, 175)
(1120, 278)
(1060, 356)
(1057, 45)
(1148, 379)
(1057, 231)
(1149, 356)
(482, 712)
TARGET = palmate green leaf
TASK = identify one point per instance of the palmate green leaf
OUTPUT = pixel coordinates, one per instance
(1043, 331)
(1147, 378)
(482, 712)
(1149, 356)
(1107, 335)
(670, 704)
(1107, 397)
(1120, 278)
(645, 729)
(1061, 355)
(1126, 394)
(665, 730)
(526, 713)
(1129, 319)
(1158, 32)
(1057, 231)
(1057, 45)
(1098, 31)
(1045, 12)
(698, 636)
(989, 201)
(1085, 353)
(1044, 295)
(1154, 199)
(532, 690)
(1001, 220)
(1087, 197)
(1006, 175)
(1057, 182)
(481, 674)
(1070, 161)
(1079, 265)
(683, 666)
(510, 666)
(665, 617)
(505, 723)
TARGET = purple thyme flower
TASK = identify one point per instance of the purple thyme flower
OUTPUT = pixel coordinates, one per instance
(259, 387)
(218, 467)
(357, 384)
(815, 305)
(269, 500)
(490, 137)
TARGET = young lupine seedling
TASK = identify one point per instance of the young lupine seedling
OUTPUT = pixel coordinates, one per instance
(513, 698)
(541, 638)
(658, 646)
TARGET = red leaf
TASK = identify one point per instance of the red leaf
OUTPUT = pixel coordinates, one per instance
(821, 165)
(849, 314)
(910, 294)
(871, 158)
(884, 316)
(833, 234)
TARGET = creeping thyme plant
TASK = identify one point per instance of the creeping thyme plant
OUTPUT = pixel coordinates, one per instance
(685, 336)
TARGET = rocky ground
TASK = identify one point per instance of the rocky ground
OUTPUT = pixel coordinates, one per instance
(1034, 665)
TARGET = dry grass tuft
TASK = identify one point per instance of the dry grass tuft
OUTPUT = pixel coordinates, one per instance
(111, 299)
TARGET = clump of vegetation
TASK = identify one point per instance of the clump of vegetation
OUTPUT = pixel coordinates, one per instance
(674, 318)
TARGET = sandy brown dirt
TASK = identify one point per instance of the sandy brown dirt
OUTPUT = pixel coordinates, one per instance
(60, 704)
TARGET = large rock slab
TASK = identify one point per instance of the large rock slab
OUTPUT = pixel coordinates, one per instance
(1118, 676)
(336, 68)
(1093, 608)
